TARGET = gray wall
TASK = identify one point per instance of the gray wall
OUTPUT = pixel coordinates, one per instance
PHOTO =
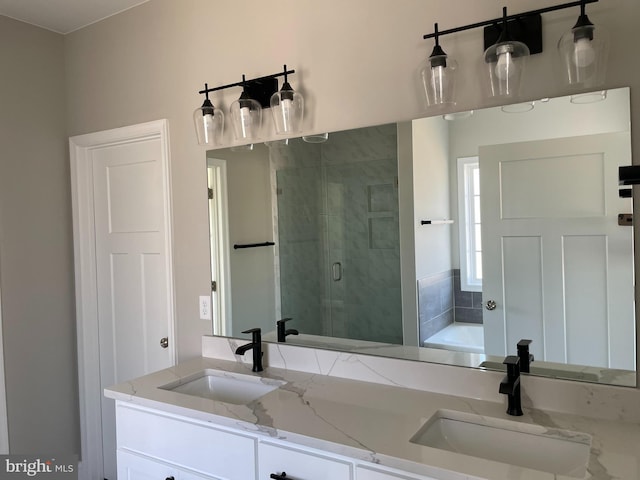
(250, 221)
(356, 62)
(36, 251)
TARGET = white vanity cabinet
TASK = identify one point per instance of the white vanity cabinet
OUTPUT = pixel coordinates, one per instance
(191, 447)
(155, 445)
(138, 467)
(300, 465)
(368, 473)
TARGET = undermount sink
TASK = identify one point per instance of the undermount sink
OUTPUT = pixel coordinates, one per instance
(560, 452)
(227, 387)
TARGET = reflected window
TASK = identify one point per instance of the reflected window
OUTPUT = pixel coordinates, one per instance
(470, 224)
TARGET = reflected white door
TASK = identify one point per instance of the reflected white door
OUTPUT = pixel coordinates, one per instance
(555, 260)
(219, 245)
(125, 173)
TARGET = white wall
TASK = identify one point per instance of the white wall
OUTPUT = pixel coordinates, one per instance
(356, 63)
(36, 271)
(250, 221)
(431, 195)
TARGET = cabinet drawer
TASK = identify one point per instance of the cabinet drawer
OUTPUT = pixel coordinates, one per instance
(186, 444)
(365, 473)
(299, 464)
(135, 467)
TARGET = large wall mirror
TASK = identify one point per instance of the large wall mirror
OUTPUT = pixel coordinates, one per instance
(444, 239)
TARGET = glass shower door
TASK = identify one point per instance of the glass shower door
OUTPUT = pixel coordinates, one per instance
(363, 252)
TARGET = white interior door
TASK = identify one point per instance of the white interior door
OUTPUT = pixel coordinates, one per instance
(555, 260)
(126, 306)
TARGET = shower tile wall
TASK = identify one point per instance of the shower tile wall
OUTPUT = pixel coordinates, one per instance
(300, 255)
(468, 305)
(362, 216)
(296, 183)
(342, 261)
(442, 302)
(435, 303)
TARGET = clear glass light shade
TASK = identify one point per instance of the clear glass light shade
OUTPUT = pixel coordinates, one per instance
(287, 107)
(246, 118)
(505, 64)
(439, 80)
(209, 123)
(583, 52)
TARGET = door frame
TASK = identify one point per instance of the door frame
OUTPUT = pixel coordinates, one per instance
(89, 390)
(220, 255)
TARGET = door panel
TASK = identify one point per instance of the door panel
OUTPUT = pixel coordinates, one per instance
(131, 270)
(555, 260)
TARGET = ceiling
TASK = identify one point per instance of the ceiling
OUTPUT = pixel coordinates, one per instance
(64, 16)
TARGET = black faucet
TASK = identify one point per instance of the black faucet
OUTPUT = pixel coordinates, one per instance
(256, 346)
(282, 333)
(523, 354)
(510, 386)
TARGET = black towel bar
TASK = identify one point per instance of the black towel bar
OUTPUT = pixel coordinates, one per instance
(253, 245)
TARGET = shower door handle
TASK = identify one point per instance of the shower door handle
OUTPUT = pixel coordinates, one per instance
(336, 271)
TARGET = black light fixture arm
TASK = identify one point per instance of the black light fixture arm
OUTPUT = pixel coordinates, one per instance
(244, 82)
(495, 21)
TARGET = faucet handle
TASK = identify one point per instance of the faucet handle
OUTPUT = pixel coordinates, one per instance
(256, 334)
(513, 366)
(524, 344)
(525, 357)
(283, 320)
(252, 330)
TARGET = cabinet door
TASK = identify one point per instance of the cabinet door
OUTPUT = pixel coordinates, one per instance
(299, 464)
(186, 442)
(135, 467)
(364, 473)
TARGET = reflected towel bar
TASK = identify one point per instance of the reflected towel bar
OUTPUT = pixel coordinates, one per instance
(436, 222)
(253, 245)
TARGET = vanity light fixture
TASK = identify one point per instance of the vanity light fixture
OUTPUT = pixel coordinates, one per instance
(439, 75)
(246, 112)
(505, 61)
(508, 41)
(209, 122)
(287, 107)
(246, 115)
(583, 51)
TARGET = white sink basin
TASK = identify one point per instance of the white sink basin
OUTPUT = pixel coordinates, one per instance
(224, 386)
(560, 452)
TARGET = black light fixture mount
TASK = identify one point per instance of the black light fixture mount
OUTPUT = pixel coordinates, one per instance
(523, 27)
(508, 42)
(526, 29)
(259, 89)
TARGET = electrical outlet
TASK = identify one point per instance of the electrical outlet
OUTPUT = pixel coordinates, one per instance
(205, 307)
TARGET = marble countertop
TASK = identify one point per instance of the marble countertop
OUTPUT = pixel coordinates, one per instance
(374, 422)
(608, 376)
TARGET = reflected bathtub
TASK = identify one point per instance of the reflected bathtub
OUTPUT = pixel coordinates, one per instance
(460, 337)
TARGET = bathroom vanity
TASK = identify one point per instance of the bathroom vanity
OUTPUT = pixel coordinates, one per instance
(318, 414)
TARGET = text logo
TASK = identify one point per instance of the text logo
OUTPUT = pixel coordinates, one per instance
(16, 467)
